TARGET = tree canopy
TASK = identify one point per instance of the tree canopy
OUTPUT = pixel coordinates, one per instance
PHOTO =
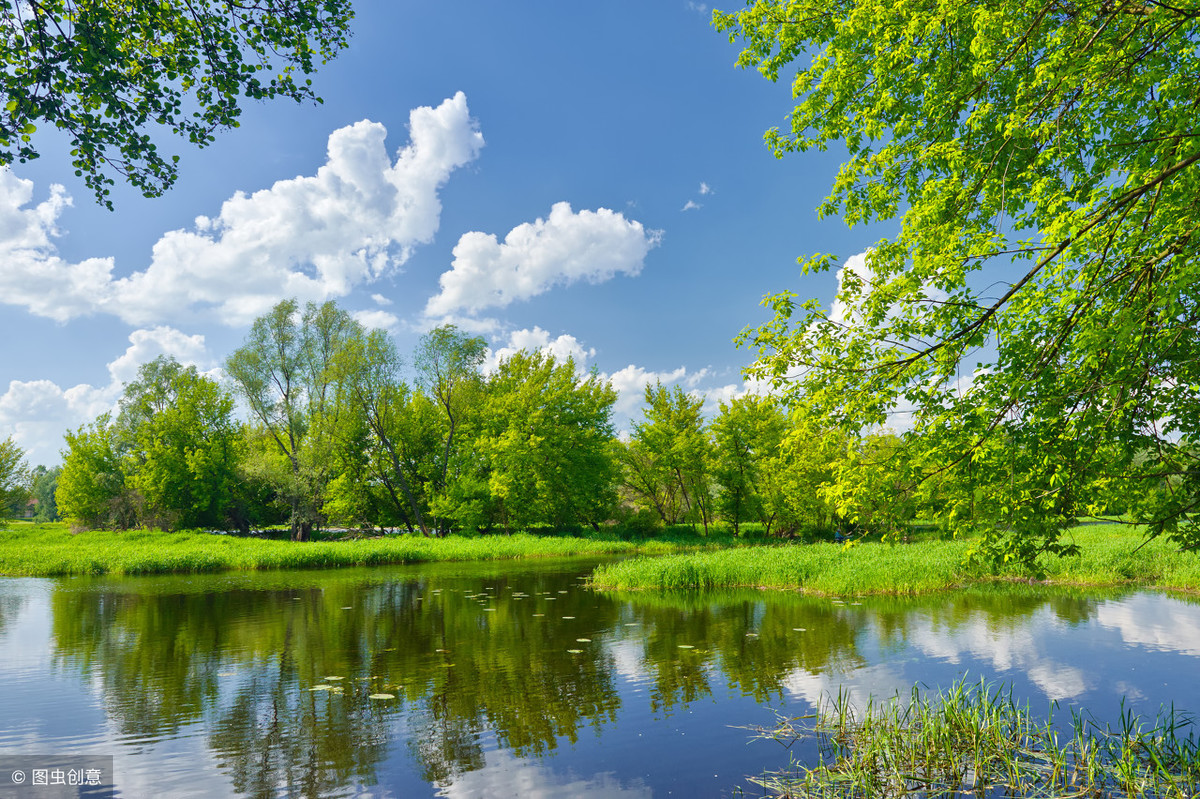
(105, 71)
(1043, 159)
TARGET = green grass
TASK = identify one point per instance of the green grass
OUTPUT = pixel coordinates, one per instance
(975, 740)
(52, 550)
(1110, 557)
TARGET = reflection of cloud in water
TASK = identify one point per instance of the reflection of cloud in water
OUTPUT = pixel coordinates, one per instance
(820, 689)
(507, 776)
(1004, 648)
(1155, 622)
(627, 660)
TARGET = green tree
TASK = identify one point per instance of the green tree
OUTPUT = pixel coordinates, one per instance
(14, 477)
(92, 488)
(376, 435)
(183, 445)
(286, 373)
(43, 485)
(449, 367)
(747, 433)
(1045, 163)
(104, 71)
(666, 463)
(547, 436)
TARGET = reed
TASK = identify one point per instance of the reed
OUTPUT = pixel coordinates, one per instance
(1111, 555)
(975, 740)
(53, 550)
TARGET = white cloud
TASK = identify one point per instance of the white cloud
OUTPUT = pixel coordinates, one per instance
(538, 340)
(312, 237)
(631, 383)
(705, 188)
(691, 205)
(376, 319)
(33, 275)
(380, 299)
(37, 412)
(564, 248)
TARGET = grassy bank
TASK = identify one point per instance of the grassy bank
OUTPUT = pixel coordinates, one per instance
(52, 550)
(1110, 556)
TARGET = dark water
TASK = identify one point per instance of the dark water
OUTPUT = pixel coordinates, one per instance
(203, 686)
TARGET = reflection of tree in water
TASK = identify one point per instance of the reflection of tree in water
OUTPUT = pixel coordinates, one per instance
(244, 661)
(11, 606)
(270, 736)
(759, 639)
(463, 652)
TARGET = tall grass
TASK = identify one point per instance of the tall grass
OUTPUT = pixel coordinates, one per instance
(1112, 555)
(52, 550)
(976, 740)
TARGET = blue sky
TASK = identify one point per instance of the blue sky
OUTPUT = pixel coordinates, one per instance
(585, 177)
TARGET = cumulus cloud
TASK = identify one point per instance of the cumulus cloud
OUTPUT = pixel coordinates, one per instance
(535, 256)
(381, 320)
(691, 205)
(705, 188)
(538, 340)
(37, 412)
(631, 383)
(311, 237)
(34, 276)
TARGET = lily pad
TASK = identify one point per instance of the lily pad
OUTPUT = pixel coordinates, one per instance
(382, 696)
(320, 688)
(686, 646)
(584, 640)
(335, 678)
(575, 651)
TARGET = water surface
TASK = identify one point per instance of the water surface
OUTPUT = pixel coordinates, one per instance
(518, 680)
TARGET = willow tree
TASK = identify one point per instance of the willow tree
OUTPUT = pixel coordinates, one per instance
(109, 74)
(1043, 159)
(287, 372)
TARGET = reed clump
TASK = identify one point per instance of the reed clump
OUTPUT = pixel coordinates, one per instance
(53, 550)
(1110, 555)
(975, 740)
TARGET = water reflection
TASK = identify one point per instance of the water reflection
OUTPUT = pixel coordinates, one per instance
(520, 679)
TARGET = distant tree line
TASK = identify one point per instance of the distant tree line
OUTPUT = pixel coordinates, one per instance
(340, 431)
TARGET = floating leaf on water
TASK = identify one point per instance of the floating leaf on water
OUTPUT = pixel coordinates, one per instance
(686, 646)
(382, 696)
(551, 598)
(489, 610)
(632, 624)
(568, 617)
(562, 591)
(751, 635)
(348, 607)
(539, 614)
(441, 650)
(800, 629)
(584, 640)
(575, 651)
(320, 688)
(335, 678)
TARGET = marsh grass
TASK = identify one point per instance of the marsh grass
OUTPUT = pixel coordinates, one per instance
(975, 740)
(52, 550)
(1111, 555)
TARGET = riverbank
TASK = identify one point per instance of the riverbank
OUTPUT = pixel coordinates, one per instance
(1111, 555)
(52, 550)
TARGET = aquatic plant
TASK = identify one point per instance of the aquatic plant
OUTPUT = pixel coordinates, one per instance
(975, 739)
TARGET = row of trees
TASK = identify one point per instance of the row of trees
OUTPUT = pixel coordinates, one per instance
(337, 434)
(340, 432)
